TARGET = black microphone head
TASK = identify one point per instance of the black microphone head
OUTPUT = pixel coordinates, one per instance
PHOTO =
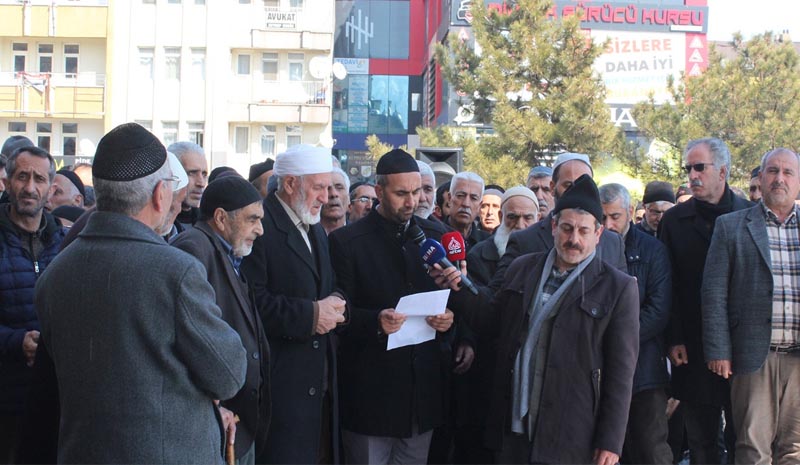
(416, 234)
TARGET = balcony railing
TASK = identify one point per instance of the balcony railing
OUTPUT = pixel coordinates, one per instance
(294, 92)
(83, 79)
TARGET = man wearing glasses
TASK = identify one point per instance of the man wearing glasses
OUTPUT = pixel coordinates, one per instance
(362, 199)
(686, 230)
(658, 198)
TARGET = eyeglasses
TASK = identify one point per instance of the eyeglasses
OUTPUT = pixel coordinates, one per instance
(365, 199)
(699, 167)
(172, 178)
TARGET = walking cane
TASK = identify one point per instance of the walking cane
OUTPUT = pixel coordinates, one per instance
(230, 453)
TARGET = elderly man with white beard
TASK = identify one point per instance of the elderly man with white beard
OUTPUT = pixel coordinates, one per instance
(292, 277)
(519, 209)
(427, 197)
(230, 222)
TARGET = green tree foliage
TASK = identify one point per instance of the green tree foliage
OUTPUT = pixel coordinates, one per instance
(502, 170)
(749, 101)
(532, 81)
(377, 149)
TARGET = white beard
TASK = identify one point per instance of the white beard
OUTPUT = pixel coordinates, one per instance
(501, 235)
(303, 212)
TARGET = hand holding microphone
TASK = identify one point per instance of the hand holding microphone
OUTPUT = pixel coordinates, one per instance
(433, 254)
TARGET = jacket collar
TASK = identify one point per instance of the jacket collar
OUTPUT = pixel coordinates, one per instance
(757, 227)
(118, 226)
(293, 238)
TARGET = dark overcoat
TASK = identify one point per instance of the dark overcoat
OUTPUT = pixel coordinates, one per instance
(687, 237)
(591, 359)
(251, 403)
(139, 348)
(287, 279)
(383, 392)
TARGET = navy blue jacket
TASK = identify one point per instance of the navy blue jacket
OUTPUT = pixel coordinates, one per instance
(648, 262)
(18, 274)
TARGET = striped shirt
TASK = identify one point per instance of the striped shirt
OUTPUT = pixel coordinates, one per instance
(784, 252)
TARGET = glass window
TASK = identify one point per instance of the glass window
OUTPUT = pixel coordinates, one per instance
(43, 132)
(172, 59)
(296, 62)
(241, 139)
(269, 66)
(20, 52)
(71, 59)
(272, 4)
(196, 131)
(243, 64)
(69, 128)
(199, 63)
(199, 2)
(146, 62)
(170, 131)
(244, 2)
(294, 135)
(296, 3)
(45, 58)
(17, 126)
(388, 104)
(268, 140)
(174, 1)
(70, 143)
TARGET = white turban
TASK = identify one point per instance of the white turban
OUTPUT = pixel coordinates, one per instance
(177, 171)
(302, 159)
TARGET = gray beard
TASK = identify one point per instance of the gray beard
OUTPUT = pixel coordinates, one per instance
(501, 235)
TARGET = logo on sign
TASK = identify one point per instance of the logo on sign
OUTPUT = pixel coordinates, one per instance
(428, 253)
(454, 247)
(358, 31)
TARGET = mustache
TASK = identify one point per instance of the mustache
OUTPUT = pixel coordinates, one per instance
(573, 246)
(695, 183)
(466, 210)
(778, 185)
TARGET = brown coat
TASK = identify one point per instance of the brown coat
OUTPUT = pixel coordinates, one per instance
(590, 363)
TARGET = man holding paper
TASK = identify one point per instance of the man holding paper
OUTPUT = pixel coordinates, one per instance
(390, 399)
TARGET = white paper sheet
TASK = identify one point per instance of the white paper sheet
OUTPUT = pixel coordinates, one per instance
(416, 307)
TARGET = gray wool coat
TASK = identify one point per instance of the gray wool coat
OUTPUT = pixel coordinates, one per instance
(737, 291)
(139, 348)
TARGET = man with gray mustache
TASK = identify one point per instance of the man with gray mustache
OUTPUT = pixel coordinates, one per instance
(686, 230)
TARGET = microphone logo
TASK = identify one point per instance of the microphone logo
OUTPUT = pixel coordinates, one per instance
(454, 247)
(428, 253)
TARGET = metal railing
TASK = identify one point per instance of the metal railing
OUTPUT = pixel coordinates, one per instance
(294, 92)
(82, 79)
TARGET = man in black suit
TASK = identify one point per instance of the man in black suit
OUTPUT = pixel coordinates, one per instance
(391, 399)
(292, 277)
(686, 230)
(539, 237)
(231, 215)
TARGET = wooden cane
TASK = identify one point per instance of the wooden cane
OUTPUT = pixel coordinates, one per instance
(230, 453)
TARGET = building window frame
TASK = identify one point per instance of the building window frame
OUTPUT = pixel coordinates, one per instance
(71, 60)
(172, 63)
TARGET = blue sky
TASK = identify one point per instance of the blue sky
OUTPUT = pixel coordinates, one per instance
(752, 17)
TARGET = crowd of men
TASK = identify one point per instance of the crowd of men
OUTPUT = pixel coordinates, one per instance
(153, 312)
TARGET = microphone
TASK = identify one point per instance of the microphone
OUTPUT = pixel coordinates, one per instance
(455, 247)
(433, 253)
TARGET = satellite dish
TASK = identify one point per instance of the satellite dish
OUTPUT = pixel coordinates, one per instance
(319, 67)
(339, 71)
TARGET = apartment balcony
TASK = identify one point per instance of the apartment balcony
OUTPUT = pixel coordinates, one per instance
(56, 95)
(285, 102)
(54, 18)
(293, 29)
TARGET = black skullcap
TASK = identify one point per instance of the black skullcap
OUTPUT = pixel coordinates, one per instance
(229, 193)
(68, 212)
(756, 171)
(260, 168)
(356, 185)
(582, 194)
(128, 152)
(217, 171)
(74, 179)
(656, 191)
(397, 161)
(13, 143)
